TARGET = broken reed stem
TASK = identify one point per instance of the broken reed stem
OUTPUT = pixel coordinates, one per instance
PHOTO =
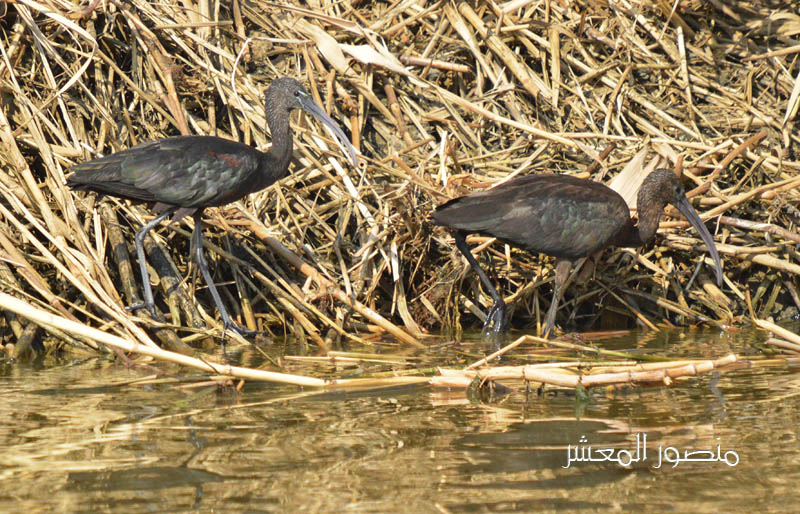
(777, 330)
(48, 321)
(574, 375)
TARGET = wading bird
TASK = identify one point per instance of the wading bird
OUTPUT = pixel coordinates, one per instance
(565, 217)
(183, 175)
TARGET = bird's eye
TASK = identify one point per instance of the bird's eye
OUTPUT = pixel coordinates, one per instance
(678, 191)
(298, 94)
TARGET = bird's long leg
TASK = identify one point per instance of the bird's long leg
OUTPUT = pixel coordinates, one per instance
(562, 272)
(197, 244)
(497, 314)
(148, 303)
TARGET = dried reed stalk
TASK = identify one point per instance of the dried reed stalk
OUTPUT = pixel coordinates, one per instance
(573, 375)
(441, 98)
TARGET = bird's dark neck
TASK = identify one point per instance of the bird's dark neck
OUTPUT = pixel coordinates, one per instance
(275, 163)
(634, 236)
(649, 210)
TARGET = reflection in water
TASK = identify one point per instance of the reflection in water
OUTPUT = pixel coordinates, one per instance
(72, 441)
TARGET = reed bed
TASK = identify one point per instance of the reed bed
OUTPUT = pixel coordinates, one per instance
(441, 98)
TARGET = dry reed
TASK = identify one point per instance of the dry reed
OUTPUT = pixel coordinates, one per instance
(441, 98)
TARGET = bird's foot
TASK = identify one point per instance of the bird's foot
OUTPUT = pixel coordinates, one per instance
(495, 325)
(233, 327)
(150, 306)
(497, 340)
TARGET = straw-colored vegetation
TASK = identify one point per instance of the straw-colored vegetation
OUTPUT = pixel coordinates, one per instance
(441, 98)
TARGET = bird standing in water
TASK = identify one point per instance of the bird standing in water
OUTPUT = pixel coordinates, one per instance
(183, 175)
(565, 217)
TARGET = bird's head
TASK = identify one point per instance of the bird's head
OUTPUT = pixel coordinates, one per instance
(286, 94)
(664, 187)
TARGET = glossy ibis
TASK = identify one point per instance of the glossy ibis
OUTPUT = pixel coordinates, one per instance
(566, 217)
(183, 175)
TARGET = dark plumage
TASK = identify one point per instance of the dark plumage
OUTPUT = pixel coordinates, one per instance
(190, 172)
(183, 175)
(565, 217)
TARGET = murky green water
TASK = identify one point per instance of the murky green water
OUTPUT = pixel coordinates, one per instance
(72, 442)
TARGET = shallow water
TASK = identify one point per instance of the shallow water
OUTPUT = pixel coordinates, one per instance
(77, 438)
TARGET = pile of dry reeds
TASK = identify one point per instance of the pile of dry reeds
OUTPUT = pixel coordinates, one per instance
(441, 97)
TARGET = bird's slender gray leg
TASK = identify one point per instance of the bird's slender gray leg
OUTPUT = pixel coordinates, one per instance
(199, 258)
(148, 303)
(562, 272)
(497, 314)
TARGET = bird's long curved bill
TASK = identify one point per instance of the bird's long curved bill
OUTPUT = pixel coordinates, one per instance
(316, 111)
(687, 210)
